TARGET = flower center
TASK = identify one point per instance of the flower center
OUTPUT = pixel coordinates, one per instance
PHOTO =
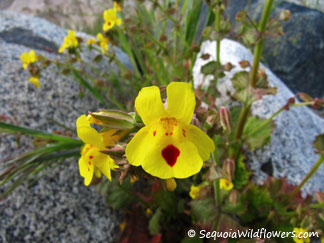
(168, 124)
(170, 154)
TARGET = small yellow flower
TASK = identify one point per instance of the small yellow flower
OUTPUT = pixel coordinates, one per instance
(118, 7)
(194, 191)
(122, 226)
(225, 184)
(28, 58)
(322, 239)
(111, 19)
(34, 80)
(299, 236)
(92, 161)
(148, 212)
(103, 42)
(91, 41)
(168, 146)
(70, 41)
(171, 184)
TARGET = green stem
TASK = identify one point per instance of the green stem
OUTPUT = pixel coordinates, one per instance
(259, 47)
(253, 75)
(218, 30)
(309, 175)
(217, 192)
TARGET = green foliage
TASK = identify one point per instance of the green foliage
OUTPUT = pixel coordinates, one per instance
(119, 196)
(257, 133)
(241, 174)
(154, 224)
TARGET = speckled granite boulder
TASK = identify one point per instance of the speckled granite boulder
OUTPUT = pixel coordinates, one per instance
(295, 57)
(290, 152)
(58, 208)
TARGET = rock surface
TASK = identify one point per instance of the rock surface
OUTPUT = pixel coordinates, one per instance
(58, 208)
(290, 151)
(295, 57)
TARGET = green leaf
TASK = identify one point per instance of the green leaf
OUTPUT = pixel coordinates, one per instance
(319, 144)
(240, 80)
(118, 196)
(241, 174)
(5, 127)
(257, 132)
(209, 68)
(192, 20)
(204, 209)
(154, 224)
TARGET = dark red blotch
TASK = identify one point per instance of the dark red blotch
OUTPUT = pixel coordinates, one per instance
(170, 153)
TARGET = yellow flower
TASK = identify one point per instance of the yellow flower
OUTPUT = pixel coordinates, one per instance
(111, 19)
(148, 212)
(34, 80)
(70, 41)
(103, 42)
(28, 58)
(300, 237)
(194, 191)
(225, 184)
(92, 160)
(118, 7)
(322, 239)
(91, 41)
(168, 146)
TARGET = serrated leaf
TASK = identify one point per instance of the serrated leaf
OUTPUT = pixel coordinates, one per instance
(117, 197)
(209, 68)
(154, 224)
(241, 174)
(257, 133)
(319, 144)
(204, 209)
(240, 80)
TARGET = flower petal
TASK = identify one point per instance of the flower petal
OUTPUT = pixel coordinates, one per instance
(164, 157)
(86, 170)
(149, 105)
(181, 101)
(136, 148)
(203, 142)
(88, 134)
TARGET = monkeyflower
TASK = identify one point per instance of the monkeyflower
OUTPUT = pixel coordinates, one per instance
(225, 184)
(70, 41)
(111, 19)
(103, 41)
(27, 59)
(168, 146)
(92, 160)
(299, 236)
(194, 191)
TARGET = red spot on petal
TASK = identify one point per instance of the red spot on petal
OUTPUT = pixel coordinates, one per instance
(91, 157)
(154, 133)
(88, 169)
(184, 132)
(171, 134)
(89, 163)
(170, 153)
(166, 134)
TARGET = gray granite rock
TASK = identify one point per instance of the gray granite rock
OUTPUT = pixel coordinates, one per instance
(58, 208)
(294, 57)
(290, 151)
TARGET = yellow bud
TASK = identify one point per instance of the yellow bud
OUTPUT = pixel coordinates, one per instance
(171, 184)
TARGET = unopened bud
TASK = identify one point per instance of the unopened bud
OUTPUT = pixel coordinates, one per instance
(171, 184)
(229, 168)
(233, 196)
(225, 118)
(285, 15)
(228, 66)
(244, 63)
